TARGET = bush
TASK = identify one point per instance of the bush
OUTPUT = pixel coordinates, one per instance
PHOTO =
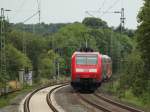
(133, 77)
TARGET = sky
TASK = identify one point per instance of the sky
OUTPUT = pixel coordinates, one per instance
(67, 11)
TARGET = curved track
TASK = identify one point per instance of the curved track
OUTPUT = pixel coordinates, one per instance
(49, 100)
(39, 99)
(43, 100)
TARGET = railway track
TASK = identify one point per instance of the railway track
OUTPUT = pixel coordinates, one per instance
(48, 98)
(110, 103)
(93, 104)
(95, 100)
(129, 108)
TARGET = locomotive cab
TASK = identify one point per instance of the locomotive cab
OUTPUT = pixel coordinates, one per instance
(86, 70)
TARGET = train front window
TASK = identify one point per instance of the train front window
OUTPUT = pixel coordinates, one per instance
(81, 60)
(92, 60)
(86, 60)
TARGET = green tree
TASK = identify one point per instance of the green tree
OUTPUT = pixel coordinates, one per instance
(35, 45)
(73, 36)
(47, 68)
(132, 77)
(15, 61)
(94, 23)
(143, 39)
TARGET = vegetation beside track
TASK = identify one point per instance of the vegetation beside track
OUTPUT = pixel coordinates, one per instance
(125, 96)
(8, 98)
(133, 83)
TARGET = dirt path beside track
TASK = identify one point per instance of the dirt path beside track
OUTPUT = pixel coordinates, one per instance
(14, 104)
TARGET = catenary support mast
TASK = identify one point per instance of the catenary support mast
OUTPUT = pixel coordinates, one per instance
(2, 40)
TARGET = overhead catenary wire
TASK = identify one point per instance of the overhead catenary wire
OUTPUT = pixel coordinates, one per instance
(19, 9)
(24, 44)
(115, 3)
(24, 40)
(96, 11)
(30, 17)
(103, 12)
(103, 4)
(87, 12)
(21, 6)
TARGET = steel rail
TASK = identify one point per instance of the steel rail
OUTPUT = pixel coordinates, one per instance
(117, 104)
(27, 100)
(48, 98)
(94, 104)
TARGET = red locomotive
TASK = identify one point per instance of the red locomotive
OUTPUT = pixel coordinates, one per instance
(89, 69)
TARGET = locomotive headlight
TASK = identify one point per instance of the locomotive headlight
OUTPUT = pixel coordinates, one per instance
(79, 70)
(85, 70)
(92, 70)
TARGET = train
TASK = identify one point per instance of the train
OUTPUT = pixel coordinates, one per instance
(89, 69)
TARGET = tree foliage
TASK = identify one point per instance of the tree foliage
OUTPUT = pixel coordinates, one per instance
(40, 29)
(143, 39)
(133, 74)
(94, 22)
(136, 75)
(72, 37)
(129, 32)
(46, 64)
(16, 60)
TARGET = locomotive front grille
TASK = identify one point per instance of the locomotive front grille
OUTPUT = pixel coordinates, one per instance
(85, 76)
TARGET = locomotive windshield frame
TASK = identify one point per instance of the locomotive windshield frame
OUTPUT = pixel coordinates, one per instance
(87, 59)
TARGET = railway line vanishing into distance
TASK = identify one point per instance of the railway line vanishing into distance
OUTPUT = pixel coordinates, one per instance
(42, 100)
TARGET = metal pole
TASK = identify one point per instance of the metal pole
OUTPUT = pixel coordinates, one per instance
(24, 42)
(24, 51)
(58, 69)
(54, 61)
(122, 19)
(122, 23)
(3, 51)
(39, 10)
(86, 43)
